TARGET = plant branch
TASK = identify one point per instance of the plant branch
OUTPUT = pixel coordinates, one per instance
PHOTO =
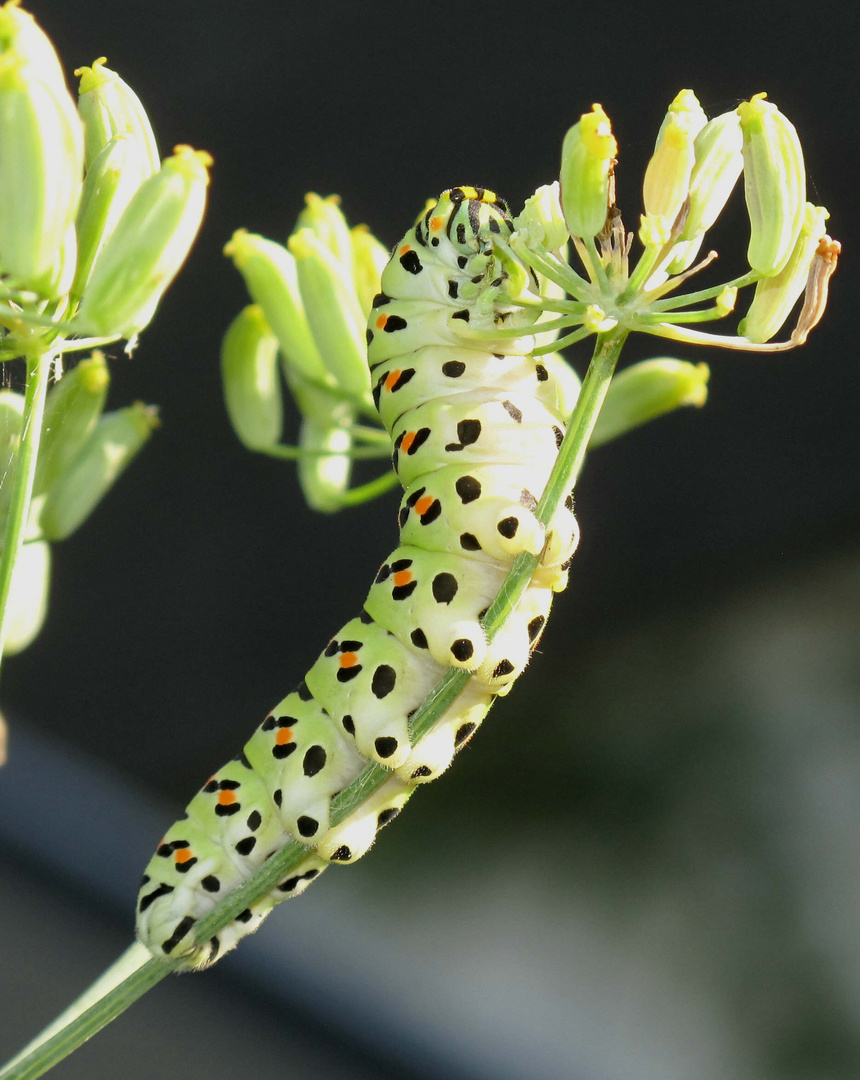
(77, 1029)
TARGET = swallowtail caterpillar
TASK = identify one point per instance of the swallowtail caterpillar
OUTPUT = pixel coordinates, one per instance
(476, 426)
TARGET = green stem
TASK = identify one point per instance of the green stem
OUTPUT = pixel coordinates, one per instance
(28, 1066)
(24, 472)
(298, 453)
(371, 490)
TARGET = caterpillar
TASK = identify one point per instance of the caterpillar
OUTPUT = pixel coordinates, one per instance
(475, 426)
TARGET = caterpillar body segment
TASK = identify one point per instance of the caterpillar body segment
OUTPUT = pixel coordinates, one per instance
(475, 424)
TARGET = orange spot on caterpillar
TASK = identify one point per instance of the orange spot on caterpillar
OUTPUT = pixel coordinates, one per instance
(423, 505)
(283, 735)
(408, 440)
(393, 376)
(404, 250)
(381, 321)
(402, 577)
(182, 855)
(437, 223)
(225, 798)
(348, 659)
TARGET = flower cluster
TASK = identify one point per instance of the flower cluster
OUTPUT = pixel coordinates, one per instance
(311, 298)
(94, 228)
(695, 165)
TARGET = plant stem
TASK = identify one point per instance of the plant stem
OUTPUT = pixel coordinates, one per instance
(24, 472)
(28, 1066)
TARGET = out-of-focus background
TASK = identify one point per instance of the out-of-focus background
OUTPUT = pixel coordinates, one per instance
(645, 867)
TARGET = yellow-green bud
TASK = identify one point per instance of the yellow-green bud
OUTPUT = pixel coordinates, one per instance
(271, 279)
(324, 477)
(370, 258)
(41, 167)
(774, 184)
(325, 219)
(667, 175)
(147, 247)
(250, 378)
(775, 296)
(108, 107)
(72, 408)
(112, 179)
(542, 221)
(332, 311)
(20, 32)
(719, 162)
(116, 439)
(647, 390)
(587, 160)
(27, 603)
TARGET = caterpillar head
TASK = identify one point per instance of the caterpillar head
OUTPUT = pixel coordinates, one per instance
(468, 217)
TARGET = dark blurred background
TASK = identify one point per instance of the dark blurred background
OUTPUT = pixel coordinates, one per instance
(665, 886)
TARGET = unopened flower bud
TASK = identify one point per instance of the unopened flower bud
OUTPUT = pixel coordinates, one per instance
(41, 167)
(332, 311)
(108, 107)
(20, 32)
(324, 477)
(147, 247)
(775, 296)
(587, 159)
(647, 390)
(27, 603)
(271, 279)
(774, 184)
(250, 378)
(370, 258)
(719, 162)
(112, 179)
(325, 219)
(72, 408)
(542, 221)
(667, 175)
(114, 442)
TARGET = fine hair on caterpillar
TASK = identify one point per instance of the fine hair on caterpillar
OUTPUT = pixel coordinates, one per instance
(475, 425)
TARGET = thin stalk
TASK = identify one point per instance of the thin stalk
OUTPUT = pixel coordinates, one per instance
(29, 1066)
(371, 490)
(297, 453)
(23, 474)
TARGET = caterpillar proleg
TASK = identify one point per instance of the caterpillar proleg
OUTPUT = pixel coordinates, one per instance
(475, 425)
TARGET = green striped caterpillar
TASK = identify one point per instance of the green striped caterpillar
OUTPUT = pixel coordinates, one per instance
(475, 425)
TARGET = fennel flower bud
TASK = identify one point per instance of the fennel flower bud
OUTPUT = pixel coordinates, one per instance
(112, 179)
(144, 252)
(369, 259)
(114, 442)
(41, 168)
(587, 159)
(542, 221)
(667, 175)
(774, 184)
(325, 219)
(249, 376)
(72, 408)
(108, 107)
(331, 307)
(272, 280)
(775, 296)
